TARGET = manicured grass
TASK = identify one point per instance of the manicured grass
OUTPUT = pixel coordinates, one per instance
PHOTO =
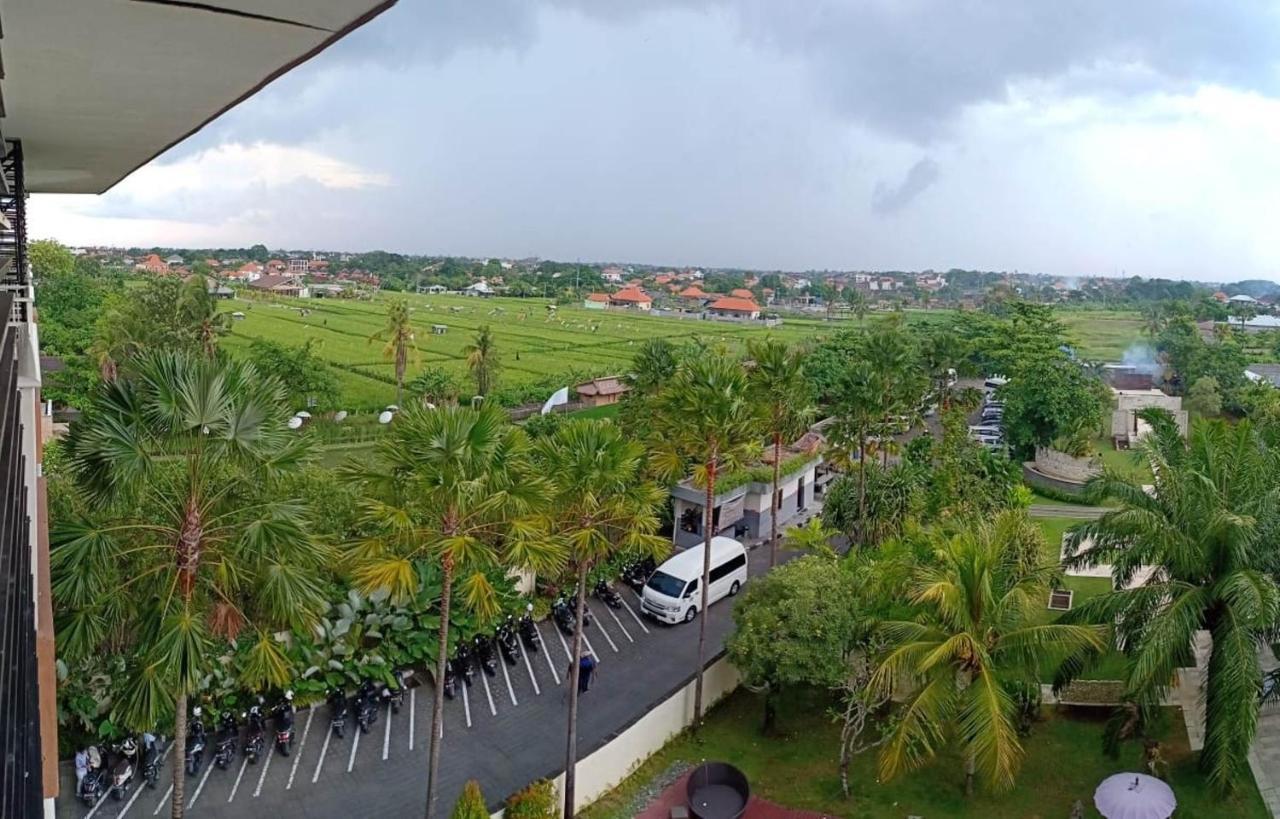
(1124, 462)
(797, 768)
(607, 411)
(1113, 665)
(1041, 500)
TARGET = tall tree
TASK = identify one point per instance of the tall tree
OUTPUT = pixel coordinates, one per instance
(482, 360)
(176, 545)
(705, 417)
(398, 340)
(601, 506)
(1208, 527)
(859, 410)
(453, 486)
(973, 639)
(201, 314)
(777, 382)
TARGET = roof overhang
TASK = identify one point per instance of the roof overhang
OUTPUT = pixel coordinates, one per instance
(97, 89)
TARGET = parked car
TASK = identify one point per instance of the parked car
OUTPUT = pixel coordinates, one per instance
(672, 594)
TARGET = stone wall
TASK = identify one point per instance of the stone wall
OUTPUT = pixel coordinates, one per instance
(1064, 467)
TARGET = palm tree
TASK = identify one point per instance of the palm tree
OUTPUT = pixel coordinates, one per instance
(705, 416)
(601, 506)
(398, 338)
(453, 486)
(974, 638)
(857, 302)
(777, 382)
(173, 545)
(201, 314)
(1208, 528)
(482, 360)
(113, 343)
(859, 408)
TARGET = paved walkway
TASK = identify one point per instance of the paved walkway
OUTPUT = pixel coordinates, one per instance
(1264, 756)
(505, 731)
(1049, 510)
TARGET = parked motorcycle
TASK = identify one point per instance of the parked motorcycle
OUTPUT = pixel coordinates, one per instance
(95, 779)
(228, 732)
(462, 663)
(338, 711)
(150, 760)
(450, 681)
(484, 654)
(610, 597)
(505, 637)
(253, 737)
(529, 631)
(196, 740)
(563, 613)
(636, 573)
(393, 695)
(284, 724)
(366, 706)
(126, 763)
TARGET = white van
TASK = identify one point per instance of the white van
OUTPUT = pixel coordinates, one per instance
(672, 594)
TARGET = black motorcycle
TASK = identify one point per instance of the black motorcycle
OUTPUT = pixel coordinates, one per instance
(196, 740)
(284, 724)
(253, 736)
(610, 597)
(126, 763)
(94, 783)
(462, 663)
(562, 612)
(338, 711)
(366, 706)
(529, 631)
(393, 695)
(636, 573)
(450, 681)
(505, 637)
(484, 654)
(150, 760)
(228, 732)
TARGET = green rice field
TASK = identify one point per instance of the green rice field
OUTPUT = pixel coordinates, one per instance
(535, 346)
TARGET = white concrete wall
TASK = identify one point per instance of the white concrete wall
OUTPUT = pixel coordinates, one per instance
(603, 770)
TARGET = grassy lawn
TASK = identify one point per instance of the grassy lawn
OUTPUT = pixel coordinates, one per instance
(607, 411)
(1041, 500)
(797, 768)
(1125, 462)
(1112, 666)
(1103, 334)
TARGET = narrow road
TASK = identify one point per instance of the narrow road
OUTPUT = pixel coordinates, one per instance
(1048, 510)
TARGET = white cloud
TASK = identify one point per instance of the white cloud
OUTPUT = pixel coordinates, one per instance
(237, 166)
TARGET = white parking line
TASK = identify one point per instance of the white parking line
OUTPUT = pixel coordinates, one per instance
(484, 678)
(635, 617)
(600, 625)
(625, 633)
(413, 702)
(266, 763)
(141, 784)
(591, 648)
(355, 743)
(466, 701)
(507, 677)
(244, 763)
(524, 652)
(200, 787)
(163, 800)
(324, 749)
(386, 735)
(546, 653)
(563, 645)
(297, 758)
(103, 798)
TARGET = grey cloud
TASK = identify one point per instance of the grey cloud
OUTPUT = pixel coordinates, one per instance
(887, 199)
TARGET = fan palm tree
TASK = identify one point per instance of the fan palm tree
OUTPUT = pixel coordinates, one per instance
(1208, 528)
(398, 340)
(453, 486)
(974, 642)
(705, 417)
(601, 506)
(777, 382)
(482, 360)
(173, 545)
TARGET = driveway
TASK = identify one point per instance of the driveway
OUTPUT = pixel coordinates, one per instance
(505, 732)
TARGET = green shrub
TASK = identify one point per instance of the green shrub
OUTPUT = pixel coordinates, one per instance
(537, 801)
(471, 804)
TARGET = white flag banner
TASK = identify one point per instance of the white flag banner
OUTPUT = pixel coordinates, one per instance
(560, 396)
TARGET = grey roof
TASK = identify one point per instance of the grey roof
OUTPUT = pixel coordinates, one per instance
(1265, 372)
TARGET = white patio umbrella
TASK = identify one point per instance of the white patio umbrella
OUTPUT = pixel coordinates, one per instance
(1134, 796)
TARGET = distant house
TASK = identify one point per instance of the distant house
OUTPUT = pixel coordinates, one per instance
(596, 301)
(434, 289)
(152, 264)
(276, 266)
(298, 266)
(326, 291)
(694, 293)
(612, 274)
(1264, 373)
(742, 293)
(248, 273)
(1220, 297)
(733, 307)
(173, 261)
(276, 285)
(1241, 298)
(1127, 429)
(664, 278)
(480, 288)
(631, 298)
(599, 392)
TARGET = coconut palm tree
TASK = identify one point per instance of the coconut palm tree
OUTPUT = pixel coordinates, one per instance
(453, 486)
(777, 382)
(706, 419)
(173, 545)
(975, 637)
(1208, 527)
(113, 343)
(398, 340)
(482, 360)
(201, 313)
(601, 506)
(859, 410)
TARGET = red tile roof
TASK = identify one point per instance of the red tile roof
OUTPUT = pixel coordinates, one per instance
(742, 293)
(609, 385)
(734, 305)
(631, 294)
(600, 297)
(693, 292)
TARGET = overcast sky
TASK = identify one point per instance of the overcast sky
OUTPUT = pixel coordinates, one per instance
(1086, 137)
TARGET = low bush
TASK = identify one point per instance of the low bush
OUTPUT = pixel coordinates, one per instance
(537, 801)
